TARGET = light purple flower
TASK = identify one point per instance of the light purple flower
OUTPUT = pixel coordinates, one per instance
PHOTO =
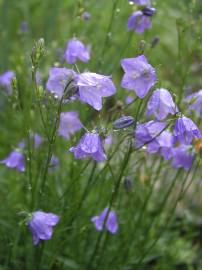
(37, 140)
(86, 15)
(15, 160)
(92, 87)
(6, 80)
(76, 50)
(90, 145)
(139, 22)
(141, 2)
(195, 102)
(146, 134)
(58, 79)
(161, 104)
(183, 156)
(139, 75)
(111, 223)
(24, 27)
(163, 144)
(129, 99)
(185, 130)
(69, 124)
(41, 225)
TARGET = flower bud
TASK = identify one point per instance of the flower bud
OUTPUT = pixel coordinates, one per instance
(123, 122)
(149, 11)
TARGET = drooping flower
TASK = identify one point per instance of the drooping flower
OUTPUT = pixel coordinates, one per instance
(124, 122)
(139, 22)
(183, 156)
(111, 223)
(195, 102)
(161, 104)
(76, 50)
(146, 133)
(15, 160)
(58, 79)
(6, 80)
(185, 130)
(69, 124)
(139, 75)
(41, 224)
(163, 144)
(92, 87)
(90, 145)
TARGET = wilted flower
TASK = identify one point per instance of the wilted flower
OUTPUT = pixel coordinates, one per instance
(90, 145)
(195, 102)
(146, 133)
(161, 104)
(6, 80)
(185, 130)
(110, 224)
(163, 144)
(41, 224)
(124, 122)
(183, 156)
(92, 87)
(76, 50)
(58, 79)
(139, 75)
(138, 22)
(15, 160)
(69, 124)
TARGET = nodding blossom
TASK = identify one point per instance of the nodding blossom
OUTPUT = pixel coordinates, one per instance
(93, 87)
(139, 75)
(111, 223)
(185, 130)
(41, 225)
(6, 80)
(58, 80)
(183, 156)
(76, 50)
(15, 160)
(90, 145)
(161, 104)
(195, 102)
(69, 124)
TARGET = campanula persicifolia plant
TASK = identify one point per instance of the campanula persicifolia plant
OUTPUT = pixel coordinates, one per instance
(101, 143)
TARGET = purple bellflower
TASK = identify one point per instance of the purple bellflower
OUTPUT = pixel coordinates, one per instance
(163, 144)
(139, 75)
(58, 79)
(69, 124)
(185, 130)
(41, 225)
(6, 80)
(183, 156)
(92, 87)
(195, 102)
(161, 104)
(138, 22)
(76, 50)
(147, 133)
(15, 160)
(90, 145)
(111, 222)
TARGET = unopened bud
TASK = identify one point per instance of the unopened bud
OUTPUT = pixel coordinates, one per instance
(123, 122)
